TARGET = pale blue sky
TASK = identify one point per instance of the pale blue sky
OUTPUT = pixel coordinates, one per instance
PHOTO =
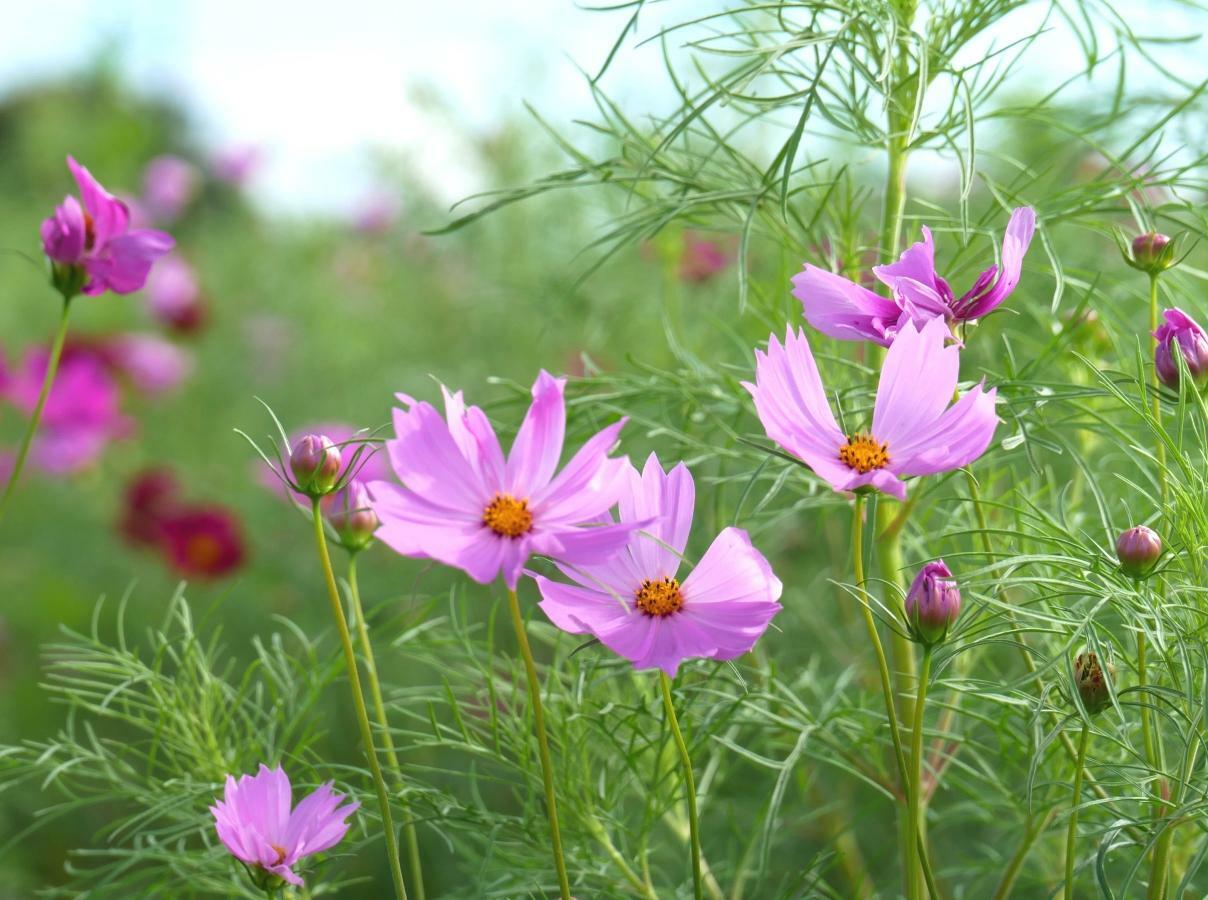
(317, 84)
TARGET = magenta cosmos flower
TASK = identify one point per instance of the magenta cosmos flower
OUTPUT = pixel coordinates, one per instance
(914, 430)
(463, 504)
(1181, 334)
(97, 238)
(255, 822)
(851, 312)
(635, 603)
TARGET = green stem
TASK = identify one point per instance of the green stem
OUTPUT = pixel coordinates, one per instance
(1007, 882)
(1156, 402)
(358, 702)
(916, 757)
(547, 766)
(1071, 834)
(689, 784)
(379, 709)
(52, 366)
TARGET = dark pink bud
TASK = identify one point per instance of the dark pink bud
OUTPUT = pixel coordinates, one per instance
(350, 515)
(1091, 680)
(932, 603)
(1138, 549)
(316, 463)
(1181, 334)
(1152, 252)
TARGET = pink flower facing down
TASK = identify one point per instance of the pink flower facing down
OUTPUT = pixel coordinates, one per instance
(82, 414)
(462, 504)
(850, 312)
(96, 238)
(1181, 334)
(255, 822)
(635, 603)
(152, 364)
(914, 431)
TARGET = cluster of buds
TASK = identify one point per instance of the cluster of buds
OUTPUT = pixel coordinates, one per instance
(316, 463)
(321, 473)
(1138, 550)
(932, 603)
(1093, 682)
(1150, 252)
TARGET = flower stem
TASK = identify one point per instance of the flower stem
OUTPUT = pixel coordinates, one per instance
(379, 709)
(1156, 402)
(916, 753)
(52, 366)
(358, 702)
(689, 784)
(547, 766)
(1071, 834)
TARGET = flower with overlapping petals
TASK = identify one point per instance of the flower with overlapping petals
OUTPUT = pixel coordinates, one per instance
(848, 311)
(463, 504)
(635, 603)
(914, 431)
(255, 822)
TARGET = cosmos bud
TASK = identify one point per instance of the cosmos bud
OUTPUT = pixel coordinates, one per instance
(315, 462)
(932, 603)
(1152, 252)
(350, 515)
(1091, 679)
(1180, 334)
(1138, 549)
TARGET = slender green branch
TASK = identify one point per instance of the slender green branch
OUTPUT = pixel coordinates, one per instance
(916, 763)
(547, 765)
(379, 708)
(1071, 833)
(689, 783)
(52, 367)
(358, 702)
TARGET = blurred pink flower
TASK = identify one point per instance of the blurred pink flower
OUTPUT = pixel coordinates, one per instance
(376, 213)
(235, 164)
(201, 541)
(169, 185)
(702, 258)
(152, 364)
(96, 237)
(150, 496)
(82, 413)
(174, 295)
(254, 821)
(636, 605)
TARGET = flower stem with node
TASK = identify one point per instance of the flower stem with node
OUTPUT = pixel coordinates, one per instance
(358, 702)
(1071, 832)
(547, 766)
(916, 754)
(379, 709)
(689, 784)
(52, 366)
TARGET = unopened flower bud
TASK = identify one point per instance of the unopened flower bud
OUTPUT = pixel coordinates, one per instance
(1138, 549)
(1091, 680)
(932, 603)
(1152, 252)
(1180, 334)
(350, 515)
(315, 462)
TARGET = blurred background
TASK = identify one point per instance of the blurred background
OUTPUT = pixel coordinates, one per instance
(299, 155)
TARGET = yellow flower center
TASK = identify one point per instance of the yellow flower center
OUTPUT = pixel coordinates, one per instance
(659, 598)
(864, 453)
(508, 517)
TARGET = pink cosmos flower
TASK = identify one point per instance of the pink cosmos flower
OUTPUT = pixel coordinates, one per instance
(174, 295)
(376, 213)
(635, 603)
(235, 164)
(97, 238)
(463, 504)
(153, 365)
(169, 185)
(255, 822)
(914, 430)
(1182, 334)
(851, 312)
(702, 258)
(82, 414)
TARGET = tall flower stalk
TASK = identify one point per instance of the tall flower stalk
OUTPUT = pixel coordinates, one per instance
(1071, 832)
(358, 701)
(547, 764)
(689, 784)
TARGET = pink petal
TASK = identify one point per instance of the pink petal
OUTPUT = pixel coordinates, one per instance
(429, 462)
(916, 263)
(472, 433)
(414, 527)
(955, 439)
(587, 485)
(582, 610)
(841, 308)
(110, 217)
(979, 301)
(538, 445)
(917, 382)
(588, 545)
(731, 571)
(668, 500)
